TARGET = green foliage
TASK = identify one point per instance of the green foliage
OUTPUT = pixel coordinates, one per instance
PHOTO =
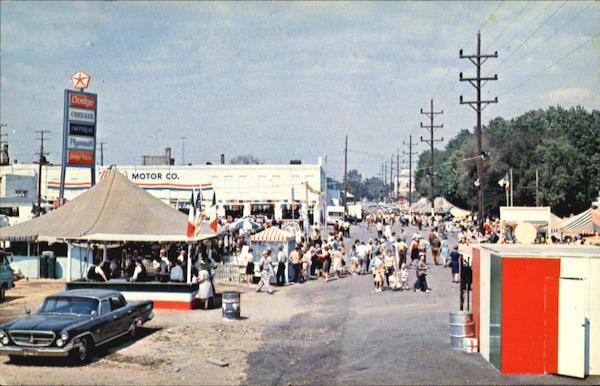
(563, 145)
(370, 188)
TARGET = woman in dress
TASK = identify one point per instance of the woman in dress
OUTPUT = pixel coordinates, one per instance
(454, 261)
(205, 289)
(444, 254)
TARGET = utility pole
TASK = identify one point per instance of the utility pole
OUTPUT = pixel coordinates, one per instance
(391, 176)
(346, 177)
(41, 160)
(183, 150)
(385, 168)
(431, 141)
(102, 153)
(477, 106)
(410, 153)
(397, 186)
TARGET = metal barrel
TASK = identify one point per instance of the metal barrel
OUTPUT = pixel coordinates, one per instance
(231, 305)
(461, 326)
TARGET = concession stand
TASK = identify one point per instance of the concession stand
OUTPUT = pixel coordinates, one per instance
(111, 214)
(272, 238)
(535, 307)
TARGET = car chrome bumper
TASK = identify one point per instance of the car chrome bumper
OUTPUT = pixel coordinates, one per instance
(38, 351)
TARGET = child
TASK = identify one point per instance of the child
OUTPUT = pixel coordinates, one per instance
(394, 281)
(378, 272)
(404, 276)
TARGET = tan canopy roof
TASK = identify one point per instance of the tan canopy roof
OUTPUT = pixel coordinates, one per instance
(115, 209)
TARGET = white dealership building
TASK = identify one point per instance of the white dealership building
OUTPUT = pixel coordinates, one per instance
(278, 191)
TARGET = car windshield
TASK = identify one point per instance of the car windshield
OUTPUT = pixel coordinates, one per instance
(69, 305)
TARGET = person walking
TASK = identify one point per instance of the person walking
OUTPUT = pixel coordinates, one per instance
(205, 290)
(361, 254)
(379, 228)
(444, 252)
(421, 285)
(326, 262)
(414, 249)
(248, 260)
(281, 259)
(266, 271)
(454, 264)
(435, 249)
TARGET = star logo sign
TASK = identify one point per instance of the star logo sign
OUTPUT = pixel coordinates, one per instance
(80, 80)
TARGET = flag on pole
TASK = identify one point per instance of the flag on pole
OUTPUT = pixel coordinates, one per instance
(190, 221)
(213, 213)
(199, 213)
(505, 183)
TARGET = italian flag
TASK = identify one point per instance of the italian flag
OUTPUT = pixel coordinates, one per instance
(505, 182)
(190, 220)
(213, 213)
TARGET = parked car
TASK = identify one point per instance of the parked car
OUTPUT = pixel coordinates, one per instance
(73, 323)
(6, 275)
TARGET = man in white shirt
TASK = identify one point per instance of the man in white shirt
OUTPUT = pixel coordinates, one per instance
(379, 228)
(281, 259)
(361, 253)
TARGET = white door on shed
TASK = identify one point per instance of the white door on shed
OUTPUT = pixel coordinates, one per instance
(572, 327)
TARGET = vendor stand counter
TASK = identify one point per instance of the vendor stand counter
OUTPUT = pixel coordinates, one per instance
(536, 308)
(175, 296)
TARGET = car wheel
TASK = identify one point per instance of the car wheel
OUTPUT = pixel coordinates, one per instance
(133, 330)
(82, 353)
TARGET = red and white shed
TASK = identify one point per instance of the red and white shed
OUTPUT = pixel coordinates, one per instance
(537, 307)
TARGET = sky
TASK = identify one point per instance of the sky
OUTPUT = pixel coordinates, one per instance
(285, 80)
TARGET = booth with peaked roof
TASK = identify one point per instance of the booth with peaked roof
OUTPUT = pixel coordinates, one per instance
(272, 238)
(586, 222)
(116, 211)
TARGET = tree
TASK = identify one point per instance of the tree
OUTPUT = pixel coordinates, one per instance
(245, 160)
(561, 144)
(355, 183)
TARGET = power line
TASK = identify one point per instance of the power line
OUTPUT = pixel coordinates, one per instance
(450, 85)
(531, 77)
(568, 22)
(510, 23)
(529, 36)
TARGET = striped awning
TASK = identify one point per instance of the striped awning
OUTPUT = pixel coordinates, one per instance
(588, 221)
(271, 234)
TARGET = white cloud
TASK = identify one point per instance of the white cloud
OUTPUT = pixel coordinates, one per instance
(571, 96)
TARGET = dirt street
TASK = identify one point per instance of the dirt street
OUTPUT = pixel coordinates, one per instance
(174, 348)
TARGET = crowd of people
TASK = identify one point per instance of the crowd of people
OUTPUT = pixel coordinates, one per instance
(391, 258)
(164, 267)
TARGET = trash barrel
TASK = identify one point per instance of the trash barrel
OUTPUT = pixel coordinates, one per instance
(461, 326)
(51, 267)
(43, 267)
(231, 305)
